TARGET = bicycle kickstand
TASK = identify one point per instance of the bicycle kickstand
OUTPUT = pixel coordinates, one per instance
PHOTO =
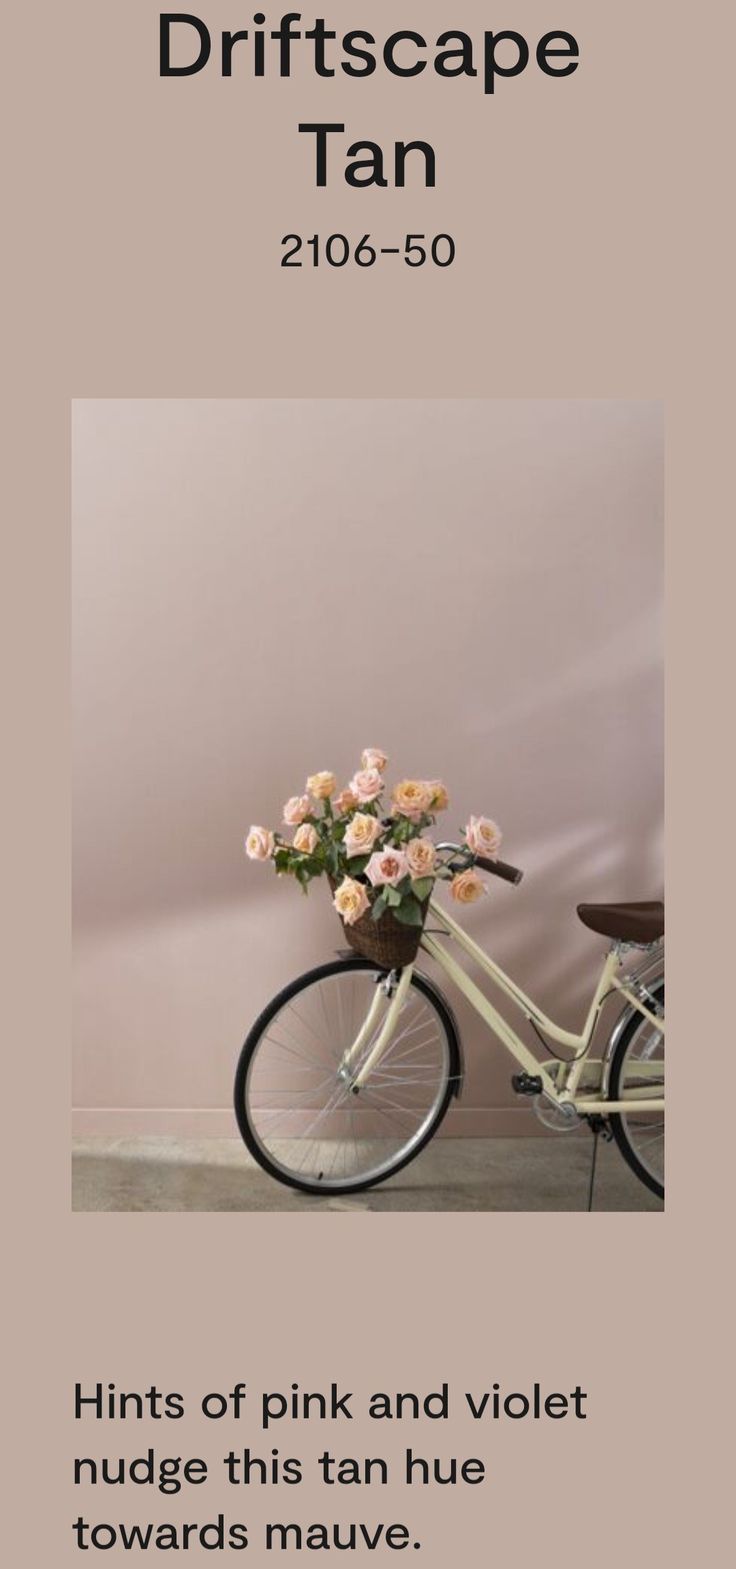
(597, 1126)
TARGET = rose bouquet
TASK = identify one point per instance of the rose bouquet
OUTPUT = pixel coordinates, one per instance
(379, 859)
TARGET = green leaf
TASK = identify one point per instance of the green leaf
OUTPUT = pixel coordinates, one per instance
(391, 895)
(357, 864)
(378, 908)
(409, 913)
(422, 887)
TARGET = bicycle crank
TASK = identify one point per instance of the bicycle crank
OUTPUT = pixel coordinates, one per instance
(560, 1118)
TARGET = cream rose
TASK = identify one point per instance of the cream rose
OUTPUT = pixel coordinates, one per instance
(350, 900)
(361, 834)
(411, 798)
(296, 809)
(367, 784)
(420, 857)
(386, 866)
(374, 758)
(306, 838)
(466, 887)
(259, 844)
(438, 791)
(483, 836)
(346, 801)
(321, 785)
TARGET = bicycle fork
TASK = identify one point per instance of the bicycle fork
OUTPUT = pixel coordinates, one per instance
(385, 1034)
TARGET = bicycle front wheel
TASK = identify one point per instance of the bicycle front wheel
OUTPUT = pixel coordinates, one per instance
(294, 1100)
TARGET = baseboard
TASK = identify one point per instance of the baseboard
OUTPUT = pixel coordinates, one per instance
(186, 1122)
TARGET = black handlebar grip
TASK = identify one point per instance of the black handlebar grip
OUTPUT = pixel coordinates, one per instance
(510, 874)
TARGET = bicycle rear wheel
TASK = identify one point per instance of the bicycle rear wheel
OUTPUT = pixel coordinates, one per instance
(299, 1116)
(638, 1065)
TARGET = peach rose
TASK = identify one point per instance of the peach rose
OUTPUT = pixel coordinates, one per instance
(350, 900)
(321, 785)
(259, 844)
(296, 809)
(373, 758)
(306, 838)
(361, 834)
(483, 836)
(386, 866)
(420, 857)
(440, 798)
(366, 784)
(411, 798)
(346, 801)
(466, 887)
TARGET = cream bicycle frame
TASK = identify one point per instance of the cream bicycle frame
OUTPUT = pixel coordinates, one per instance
(561, 1081)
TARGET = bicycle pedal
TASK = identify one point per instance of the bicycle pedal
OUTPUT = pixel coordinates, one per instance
(526, 1083)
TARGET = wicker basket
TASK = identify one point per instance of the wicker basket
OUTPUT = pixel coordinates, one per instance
(386, 941)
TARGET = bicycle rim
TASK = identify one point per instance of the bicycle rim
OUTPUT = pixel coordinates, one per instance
(305, 1123)
(641, 1071)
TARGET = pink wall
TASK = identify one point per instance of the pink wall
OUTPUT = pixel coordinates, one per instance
(262, 588)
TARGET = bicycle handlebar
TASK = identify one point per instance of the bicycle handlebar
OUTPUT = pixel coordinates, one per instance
(509, 874)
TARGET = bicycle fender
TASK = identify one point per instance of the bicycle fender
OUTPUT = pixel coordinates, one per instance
(651, 972)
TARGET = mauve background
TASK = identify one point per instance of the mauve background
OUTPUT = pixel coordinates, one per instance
(260, 589)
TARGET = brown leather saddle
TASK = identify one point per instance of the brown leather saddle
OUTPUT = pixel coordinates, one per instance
(638, 923)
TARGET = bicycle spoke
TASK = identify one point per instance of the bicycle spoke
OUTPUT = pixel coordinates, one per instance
(644, 1131)
(303, 1113)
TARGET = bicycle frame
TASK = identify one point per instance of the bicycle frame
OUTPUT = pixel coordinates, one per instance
(562, 1082)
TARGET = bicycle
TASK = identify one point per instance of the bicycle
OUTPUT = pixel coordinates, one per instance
(348, 1073)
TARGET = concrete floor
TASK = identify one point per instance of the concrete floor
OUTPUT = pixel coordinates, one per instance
(522, 1174)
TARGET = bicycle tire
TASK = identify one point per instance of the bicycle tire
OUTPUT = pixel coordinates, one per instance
(429, 992)
(618, 1122)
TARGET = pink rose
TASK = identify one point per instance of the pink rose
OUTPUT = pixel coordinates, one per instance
(412, 798)
(366, 785)
(350, 900)
(373, 758)
(306, 838)
(346, 801)
(259, 844)
(420, 857)
(296, 809)
(483, 837)
(440, 798)
(321, 785)
(466, 887)
(361, 834)
(386, 866)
